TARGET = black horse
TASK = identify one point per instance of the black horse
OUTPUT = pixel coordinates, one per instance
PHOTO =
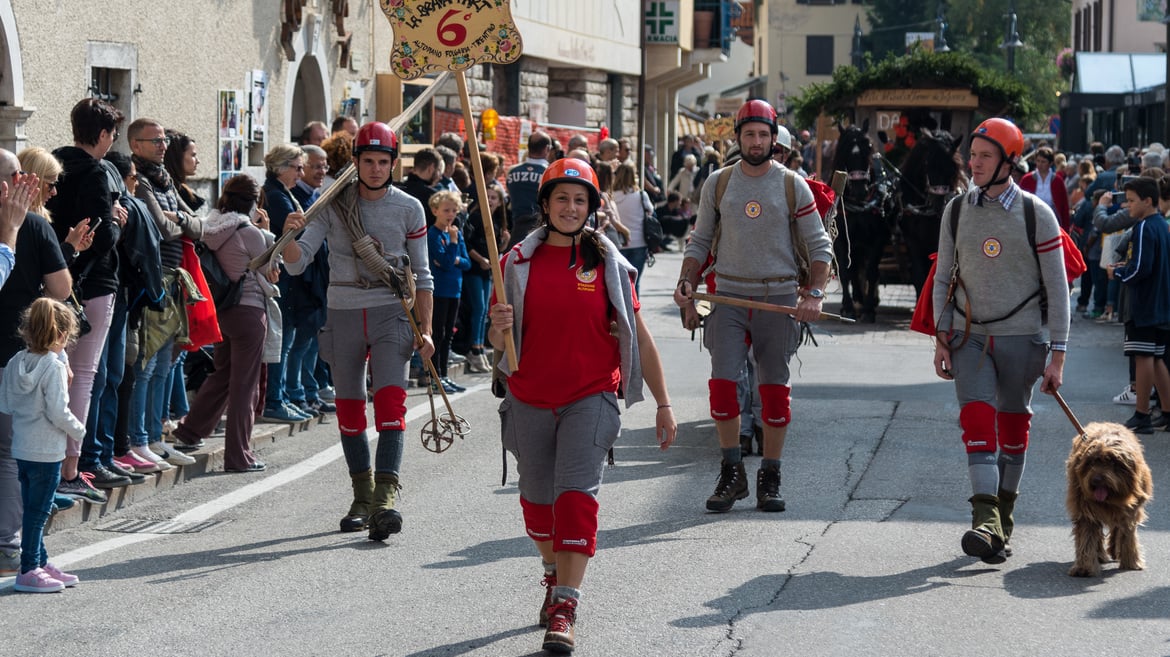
(931, 176)
(869, 208)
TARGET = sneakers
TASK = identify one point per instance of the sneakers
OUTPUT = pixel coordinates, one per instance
(562, 614)
(282, 415)
(454, 358)
(82, 489)
(1127, 397)
(60, 503)
(305, 408)
(549, 581)
(1140, 423)
(143, 452)
(139, 463)
(327, 394)
(768, 489)
(1161, 421)
(10, 565)
(65, 578)
(449, 383)
(732, 486)
(169, 454)
(477, 363)
(119, 468)
(37, 581)
(449, 386)
(322, 406)
(102, 477)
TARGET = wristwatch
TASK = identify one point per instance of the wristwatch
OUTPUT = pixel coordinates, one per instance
(816, 293)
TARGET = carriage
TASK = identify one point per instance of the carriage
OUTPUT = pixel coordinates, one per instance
(897, 130)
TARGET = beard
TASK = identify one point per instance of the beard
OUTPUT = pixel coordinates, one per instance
(755, 161)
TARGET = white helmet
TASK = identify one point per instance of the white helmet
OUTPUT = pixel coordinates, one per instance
(783, 137)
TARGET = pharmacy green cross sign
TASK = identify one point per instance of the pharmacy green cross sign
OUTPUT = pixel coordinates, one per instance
(662, 21)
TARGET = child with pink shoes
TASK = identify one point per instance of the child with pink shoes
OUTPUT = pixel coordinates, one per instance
(35, 392)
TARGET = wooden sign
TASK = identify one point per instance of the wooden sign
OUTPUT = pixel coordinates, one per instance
(720, 128)
(934, 98)
(450, 35)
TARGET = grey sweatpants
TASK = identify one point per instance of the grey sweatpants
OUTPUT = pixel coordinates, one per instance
(561, 449)
(1001, 375)
(773, 338)
(382, 334)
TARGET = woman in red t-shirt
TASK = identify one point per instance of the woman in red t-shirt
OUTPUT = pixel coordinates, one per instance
(580, 340)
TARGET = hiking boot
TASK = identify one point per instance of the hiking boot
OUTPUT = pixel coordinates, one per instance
(1007, 505)
(549, 581)
(768, 489)
(384, 519)
(732, 486)
(358, 516)
(985, 538)
(562, 614)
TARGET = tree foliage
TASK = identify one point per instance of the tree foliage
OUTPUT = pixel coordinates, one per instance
(919, 69)
(978, 28)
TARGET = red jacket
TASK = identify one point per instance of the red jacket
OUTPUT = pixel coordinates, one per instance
(1059, 195)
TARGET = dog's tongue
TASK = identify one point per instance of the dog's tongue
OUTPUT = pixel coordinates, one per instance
(1100, 493)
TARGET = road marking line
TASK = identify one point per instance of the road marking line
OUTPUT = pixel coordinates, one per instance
(212, 508)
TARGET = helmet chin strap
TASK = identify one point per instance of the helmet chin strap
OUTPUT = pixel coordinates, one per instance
(998, 181)
(572, 251)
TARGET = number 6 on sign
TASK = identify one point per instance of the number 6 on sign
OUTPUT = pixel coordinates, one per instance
(450, 35)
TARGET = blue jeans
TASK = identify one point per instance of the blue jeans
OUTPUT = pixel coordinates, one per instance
(177, 405)
(98, 446)
(149, 396)
(276, 396)
(38, 482)
(298, 370)
(637, 258)
(477, 292)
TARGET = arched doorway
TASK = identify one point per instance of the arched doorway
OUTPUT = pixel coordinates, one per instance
(12, 112)
(310, 97)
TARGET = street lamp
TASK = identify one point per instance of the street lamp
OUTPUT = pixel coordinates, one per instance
(1012, 40)
(857, 52)
(940, 22)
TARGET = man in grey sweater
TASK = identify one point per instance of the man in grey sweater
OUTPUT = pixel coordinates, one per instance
(990, 339)
(757, 260)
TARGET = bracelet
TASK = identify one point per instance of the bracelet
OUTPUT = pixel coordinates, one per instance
(662, 406)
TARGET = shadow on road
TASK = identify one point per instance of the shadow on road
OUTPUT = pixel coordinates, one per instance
(464, 647)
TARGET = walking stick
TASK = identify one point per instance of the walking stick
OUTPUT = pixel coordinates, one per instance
(760, 305)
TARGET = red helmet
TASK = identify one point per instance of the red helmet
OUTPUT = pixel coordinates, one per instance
(1004, 134)
(756, 110)
(570, 170)
(375, 136)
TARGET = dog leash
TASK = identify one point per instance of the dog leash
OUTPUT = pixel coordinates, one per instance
(1068, 411)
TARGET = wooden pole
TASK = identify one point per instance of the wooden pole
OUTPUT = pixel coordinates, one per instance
(760, 305)
(485, 213)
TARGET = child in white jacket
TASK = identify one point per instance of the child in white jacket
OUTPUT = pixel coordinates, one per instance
(35, 392)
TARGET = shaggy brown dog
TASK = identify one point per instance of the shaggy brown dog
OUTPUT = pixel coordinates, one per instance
(1109, 484)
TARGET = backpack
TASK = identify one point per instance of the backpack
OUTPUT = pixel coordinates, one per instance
(225, 292)
(825, 199)
(651, 227)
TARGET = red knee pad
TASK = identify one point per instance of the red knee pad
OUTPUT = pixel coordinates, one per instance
(724, 399)
(538, 520)
(776, 404)
(1013, 432)
(390, 409)
(978, 422)
(351, 416)
(575, 519)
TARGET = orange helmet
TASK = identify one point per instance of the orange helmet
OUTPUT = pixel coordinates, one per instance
(570, 170)
(375, 136)
(756, 110)
(1004, 134)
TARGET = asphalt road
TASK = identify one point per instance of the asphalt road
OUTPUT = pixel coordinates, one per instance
(865, 561)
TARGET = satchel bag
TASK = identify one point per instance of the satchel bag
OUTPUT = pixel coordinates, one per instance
(651, 227)
(83, 325)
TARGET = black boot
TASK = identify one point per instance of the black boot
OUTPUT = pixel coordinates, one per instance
(384, 518)
(768, 489)
(985, 538)
(732, 486)
(745, 445)
(363, 496)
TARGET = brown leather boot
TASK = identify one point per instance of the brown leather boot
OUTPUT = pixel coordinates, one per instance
(562, 615)
(732, 486)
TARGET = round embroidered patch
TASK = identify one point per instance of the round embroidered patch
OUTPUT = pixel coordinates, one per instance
(992, 247)
(586, 276)
(752, 209)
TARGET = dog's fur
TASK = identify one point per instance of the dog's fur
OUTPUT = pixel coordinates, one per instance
(1109, 485)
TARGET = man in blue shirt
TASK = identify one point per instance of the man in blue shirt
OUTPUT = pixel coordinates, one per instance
(523, 181)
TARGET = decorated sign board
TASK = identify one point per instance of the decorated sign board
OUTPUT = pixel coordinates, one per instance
(450, 35)
(431, 36)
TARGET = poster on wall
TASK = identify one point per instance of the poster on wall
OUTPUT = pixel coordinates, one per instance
(231, 115)
(258, 105)
(231, 153)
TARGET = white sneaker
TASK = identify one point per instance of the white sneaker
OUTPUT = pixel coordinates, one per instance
(1127, 397)
(327, 394)
(144, 452)
(170, 454)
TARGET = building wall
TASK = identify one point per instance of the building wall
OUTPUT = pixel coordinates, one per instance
(1118, 28)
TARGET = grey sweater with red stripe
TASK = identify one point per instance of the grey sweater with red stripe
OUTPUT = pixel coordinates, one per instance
(999, 271)
(396, 221)
(756, 241)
